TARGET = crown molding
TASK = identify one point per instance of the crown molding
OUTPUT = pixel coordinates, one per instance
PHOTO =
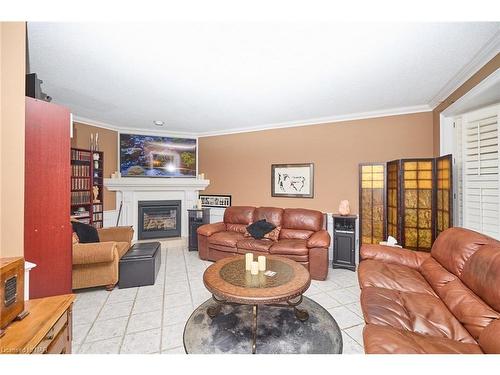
(322, 120)
(120, 129)
(480, 59)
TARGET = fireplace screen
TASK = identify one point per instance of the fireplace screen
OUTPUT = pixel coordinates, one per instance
(162, 220)
(159, 219)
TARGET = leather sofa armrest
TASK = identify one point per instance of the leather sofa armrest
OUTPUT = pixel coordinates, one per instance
(209, 229)
(118, 234)
(98, 252)
(395, 255)
(319, 239)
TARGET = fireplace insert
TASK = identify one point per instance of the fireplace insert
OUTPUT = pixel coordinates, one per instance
(159, 219)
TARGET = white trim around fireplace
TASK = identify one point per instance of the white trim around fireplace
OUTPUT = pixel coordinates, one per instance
(131, 190)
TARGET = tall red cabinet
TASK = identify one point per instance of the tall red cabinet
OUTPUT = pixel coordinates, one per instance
(47, 228)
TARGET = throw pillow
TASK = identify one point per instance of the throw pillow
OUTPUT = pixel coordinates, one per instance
(273, 235)
(86, 233)
(260, 228)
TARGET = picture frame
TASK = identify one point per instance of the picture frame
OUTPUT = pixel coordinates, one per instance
(215, 200)
(292, 180)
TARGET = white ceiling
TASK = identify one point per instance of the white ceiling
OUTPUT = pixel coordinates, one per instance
(208, 78)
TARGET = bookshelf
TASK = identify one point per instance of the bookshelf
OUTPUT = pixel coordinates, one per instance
(87, 172)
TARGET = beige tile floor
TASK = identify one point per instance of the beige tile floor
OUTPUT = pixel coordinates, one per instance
(151, 319)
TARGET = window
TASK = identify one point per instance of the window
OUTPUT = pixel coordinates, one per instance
(477, 156)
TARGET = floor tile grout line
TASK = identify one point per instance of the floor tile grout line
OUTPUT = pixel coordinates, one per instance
(93, 323)
(163, 299)
(128, 321)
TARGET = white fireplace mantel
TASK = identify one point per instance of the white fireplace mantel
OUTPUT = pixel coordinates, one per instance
(131, 190)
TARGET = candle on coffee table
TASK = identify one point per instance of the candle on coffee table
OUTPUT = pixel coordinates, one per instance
(255, 268)
(262, 262)
(248, 261)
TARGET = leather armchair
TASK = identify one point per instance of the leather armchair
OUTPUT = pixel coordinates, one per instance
(96, 264)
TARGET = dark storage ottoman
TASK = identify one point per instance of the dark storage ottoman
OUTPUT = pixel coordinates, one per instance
(140, 265)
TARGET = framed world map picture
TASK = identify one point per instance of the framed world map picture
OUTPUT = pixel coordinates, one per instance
(292, 180)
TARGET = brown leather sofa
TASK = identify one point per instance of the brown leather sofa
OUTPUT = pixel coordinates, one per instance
(302, 236)
(445, 301)
(96, 264)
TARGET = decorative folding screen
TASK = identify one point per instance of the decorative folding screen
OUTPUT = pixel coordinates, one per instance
(416, 188)
(444, 199)
(372, 202)
(418, 204)
(393, 200)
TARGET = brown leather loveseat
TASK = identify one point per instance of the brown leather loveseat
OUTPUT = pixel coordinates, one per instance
(445, 301)
(302, 236)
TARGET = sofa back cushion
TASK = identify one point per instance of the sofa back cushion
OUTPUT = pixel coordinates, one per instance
(300, 223)
(272, 215)
(481, 274)
(469, 309)
(454, 247)
(237, 218)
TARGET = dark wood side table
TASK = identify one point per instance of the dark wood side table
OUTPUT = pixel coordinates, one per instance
(196, 218)
(344, 242)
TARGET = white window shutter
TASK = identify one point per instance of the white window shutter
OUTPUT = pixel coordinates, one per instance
(480, 171)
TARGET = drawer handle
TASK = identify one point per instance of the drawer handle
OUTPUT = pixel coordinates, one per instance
(50, 335)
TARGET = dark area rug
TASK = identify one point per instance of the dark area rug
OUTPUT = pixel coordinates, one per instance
(279, 331)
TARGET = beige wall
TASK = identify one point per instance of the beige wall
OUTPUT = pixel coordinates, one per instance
(12, 109)
(480, 75)
(108, 143)
(240, 164)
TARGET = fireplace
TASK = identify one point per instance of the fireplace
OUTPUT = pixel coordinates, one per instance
(159, 219)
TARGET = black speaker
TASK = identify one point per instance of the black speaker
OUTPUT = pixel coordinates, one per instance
(34, 88)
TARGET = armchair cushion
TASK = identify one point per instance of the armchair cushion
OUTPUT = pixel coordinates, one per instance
(209, 229)
(319, 239)
(86, 233)
(117, 234)
(90, 253)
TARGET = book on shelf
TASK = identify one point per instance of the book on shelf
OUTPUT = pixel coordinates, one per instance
(80, 155)
(80, 197)
(80, 183)
(78, 170)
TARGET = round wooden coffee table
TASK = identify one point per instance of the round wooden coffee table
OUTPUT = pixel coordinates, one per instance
(230, 283)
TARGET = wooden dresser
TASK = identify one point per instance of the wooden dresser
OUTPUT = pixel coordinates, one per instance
(46, 330)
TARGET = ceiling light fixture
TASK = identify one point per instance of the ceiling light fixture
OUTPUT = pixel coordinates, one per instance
(158, 123)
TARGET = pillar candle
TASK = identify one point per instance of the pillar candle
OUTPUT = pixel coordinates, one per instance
(248, 261)
(262, 262)
(255, 268)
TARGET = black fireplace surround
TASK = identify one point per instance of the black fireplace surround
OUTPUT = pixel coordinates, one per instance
(159, 219)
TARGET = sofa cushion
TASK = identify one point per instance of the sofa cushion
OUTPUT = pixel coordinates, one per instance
(291, 247)
(299, 218)
(225, 238)
(239, 215)
(454, 247)
(271, 214)
(387, 340)
(299, 234)
(482, 271)
(392, 276)
(251, 244)
(467, 307)
(415, 312)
